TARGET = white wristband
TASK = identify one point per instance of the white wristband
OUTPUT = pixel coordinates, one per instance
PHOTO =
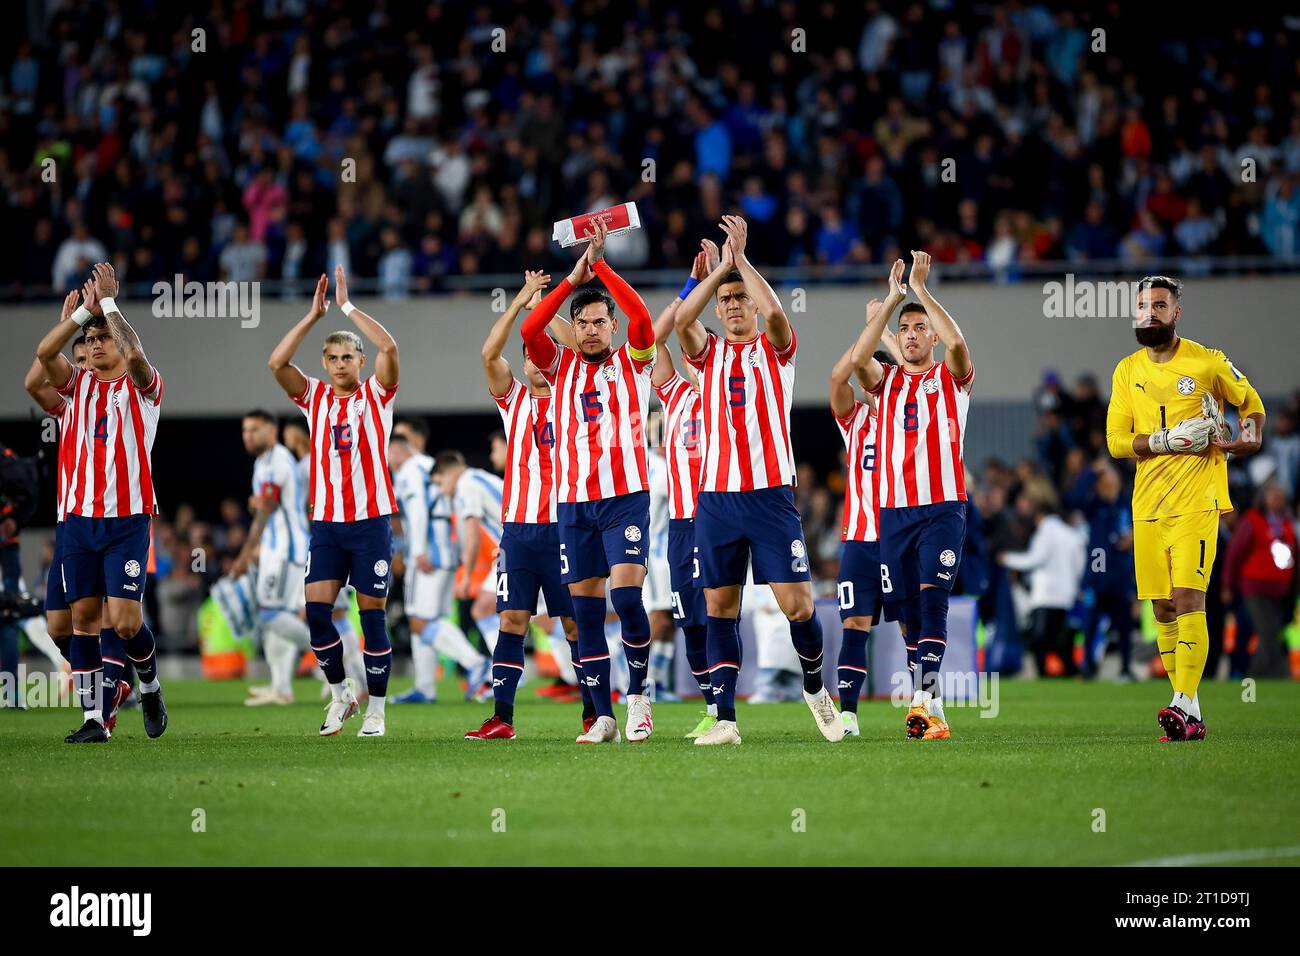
(82, 316)
(107, 305)
(348, 308)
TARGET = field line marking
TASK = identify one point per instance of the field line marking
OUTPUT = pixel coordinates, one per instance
(1224, 856)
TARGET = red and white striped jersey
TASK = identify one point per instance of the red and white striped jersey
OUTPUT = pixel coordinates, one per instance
(600, 413)
(529, 495)
(747, 389)
(63, 473)
(683, 442)
(922, 431)
(349, 450)
(861, 513)
(105, 463)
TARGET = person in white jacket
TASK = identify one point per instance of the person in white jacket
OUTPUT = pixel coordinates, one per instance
(1054, 561)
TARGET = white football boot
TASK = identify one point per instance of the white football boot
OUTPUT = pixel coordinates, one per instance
(372, 725)
(337, 711)
(723, 732)
(640, 720)
(850, 723)
(603, 731)
(827, 717)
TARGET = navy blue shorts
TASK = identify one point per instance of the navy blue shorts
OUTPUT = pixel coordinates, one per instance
(54, 597)
(733, 528)
(528, 562)
(863, 589)
(596, 535)
(354, 552)
(922, 545)
(104, 557)
(683, 569)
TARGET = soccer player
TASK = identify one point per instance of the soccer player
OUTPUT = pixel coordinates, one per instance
(862, 586)
(1164, 411)
(108, 501)
(56, 629)
(476, 496)
(528, 561)
(350, 420)
(922, 480)
(745, 509)
(448, 638)
(430, 558)
(277, 543)
(602, 397)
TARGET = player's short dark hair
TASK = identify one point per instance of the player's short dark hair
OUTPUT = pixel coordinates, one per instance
(1175, 286)
(79, 340)
(261, 413)
(417, 425)
(585, 297)
(95, 322)
(883, 357)
(911, 307)
(447, 459)
(732, 276)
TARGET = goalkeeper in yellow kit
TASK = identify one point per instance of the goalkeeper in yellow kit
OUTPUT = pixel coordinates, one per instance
(1164, 411)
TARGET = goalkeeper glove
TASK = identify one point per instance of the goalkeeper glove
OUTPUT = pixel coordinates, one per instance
(1210, 409)
(1190, 435)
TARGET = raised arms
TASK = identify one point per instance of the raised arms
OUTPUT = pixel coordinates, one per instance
(386, 363)
(865, 348)
(128, 342)
(281, 364)
(956, 353)
(496, 368)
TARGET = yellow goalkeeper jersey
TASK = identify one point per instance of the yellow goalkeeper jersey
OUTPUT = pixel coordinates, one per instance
(1147, 396)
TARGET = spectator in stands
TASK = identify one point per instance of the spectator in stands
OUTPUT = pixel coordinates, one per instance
(1054, 561)
(1261, 567)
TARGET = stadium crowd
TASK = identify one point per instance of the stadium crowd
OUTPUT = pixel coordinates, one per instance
(413, 142)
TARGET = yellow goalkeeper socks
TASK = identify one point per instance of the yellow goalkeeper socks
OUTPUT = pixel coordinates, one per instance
(1193, 649)
(1167, 644)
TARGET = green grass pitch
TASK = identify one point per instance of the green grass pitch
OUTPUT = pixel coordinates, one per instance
(1021, 788)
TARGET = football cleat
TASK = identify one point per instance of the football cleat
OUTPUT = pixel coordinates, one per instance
(91, 732)
(824, 712)
(938, 729)
(640, 720)
(603, 731)
(337, 711)
(121, 692)
(263, 696)
(588, 723)
(850, 723)
(414, 696)
(918, 720)
(372, 725)
(155, 713)
(494, 728)
(477, 677)
(722, 732)
(1195, 729)
(703, 727)
(1174, 722)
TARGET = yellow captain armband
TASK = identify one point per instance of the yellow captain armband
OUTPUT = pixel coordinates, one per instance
(641, 355)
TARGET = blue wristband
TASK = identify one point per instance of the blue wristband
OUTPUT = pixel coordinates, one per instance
(691, 283)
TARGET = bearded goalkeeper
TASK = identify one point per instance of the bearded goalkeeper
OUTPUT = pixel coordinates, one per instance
(1165, 411)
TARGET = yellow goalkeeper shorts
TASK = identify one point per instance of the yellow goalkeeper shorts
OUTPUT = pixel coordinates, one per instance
(1175, 552)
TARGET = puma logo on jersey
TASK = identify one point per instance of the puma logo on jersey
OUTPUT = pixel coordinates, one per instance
(1141, 386)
